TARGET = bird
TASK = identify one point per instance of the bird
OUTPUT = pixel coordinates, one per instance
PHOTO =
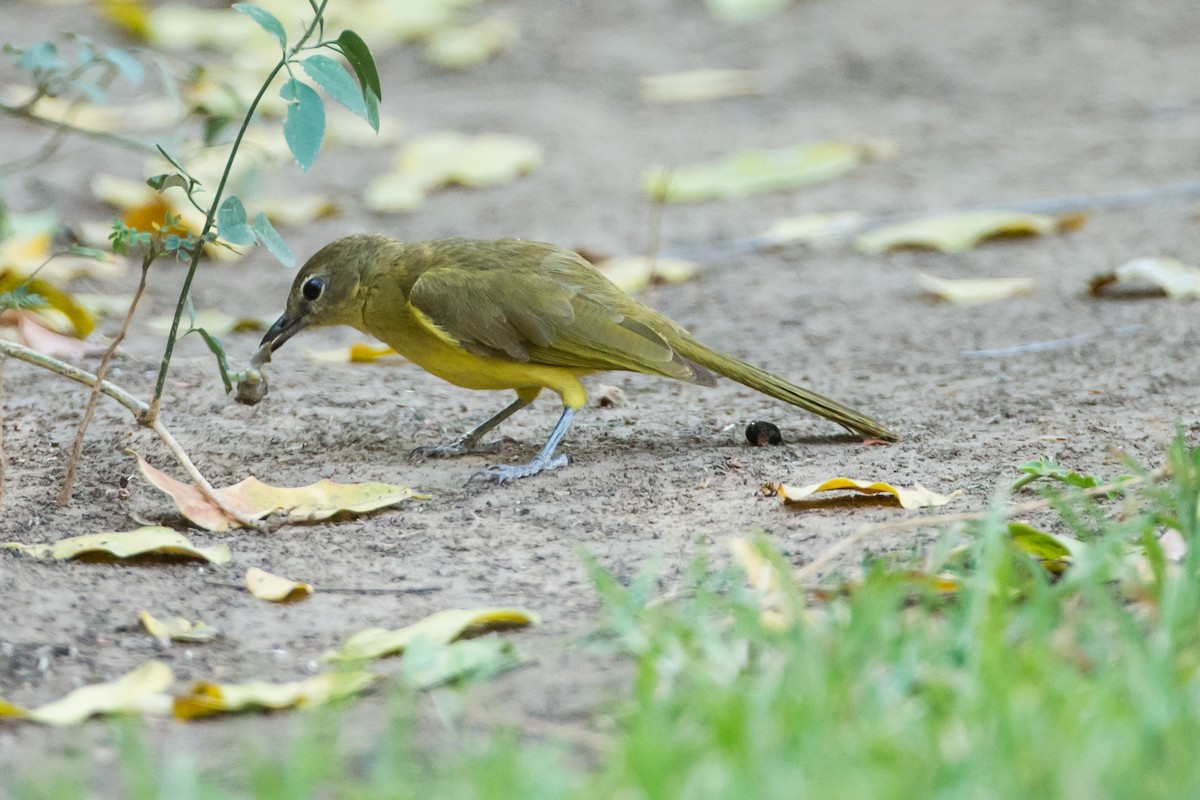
(512, 314)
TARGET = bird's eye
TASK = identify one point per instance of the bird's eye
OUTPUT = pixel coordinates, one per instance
(313, 288)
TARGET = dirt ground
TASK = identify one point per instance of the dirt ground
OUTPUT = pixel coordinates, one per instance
(997, 102)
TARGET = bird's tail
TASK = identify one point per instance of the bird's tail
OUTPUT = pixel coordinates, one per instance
(763, 381)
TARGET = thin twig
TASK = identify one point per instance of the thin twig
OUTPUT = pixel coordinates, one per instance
(140, 411)
(1053, 344)
(64, 494)
(345, 589)
(60, 126)
(830, 554)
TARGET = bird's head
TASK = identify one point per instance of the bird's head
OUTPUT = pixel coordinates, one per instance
(328, 289)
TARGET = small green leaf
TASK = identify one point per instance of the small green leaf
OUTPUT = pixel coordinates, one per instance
(266, 20)
(271, 239)
(126, 64)
(372, 110)
(1055, 553)
(218, 350)
(1045, 468)
(232, 224)
(336, 82)
(359, 55)
(42, 57)
(304, 126)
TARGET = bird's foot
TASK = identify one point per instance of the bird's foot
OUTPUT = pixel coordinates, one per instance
(459, 447)
(502, 473)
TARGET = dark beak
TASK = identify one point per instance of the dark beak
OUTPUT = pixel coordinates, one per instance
(281, 331)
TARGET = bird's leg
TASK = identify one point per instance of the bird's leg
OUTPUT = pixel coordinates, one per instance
(544, 461)
(469, 441)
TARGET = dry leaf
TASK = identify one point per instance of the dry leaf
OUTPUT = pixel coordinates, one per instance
(954, 233)
(753, 171)
(177, 628)
(357, 353)
(135, 692)
(439, 159)
(256, 500)
(302, 208)
(205, 699)
(274, 588)
(34, 335)
(972, 291)
(815, 230)
(764, 579)
(1175, 279)
(699, 84)
(67, 307)
(1056, 553)
(468, 45)
(915, 497)
(148, 540)
(1173, 545)
(440, 628)
(218, 323)
(635, 273)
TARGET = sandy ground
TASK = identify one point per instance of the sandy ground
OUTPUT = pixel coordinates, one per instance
(1002, 102)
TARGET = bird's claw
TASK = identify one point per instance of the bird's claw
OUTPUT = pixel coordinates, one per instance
(502, 473)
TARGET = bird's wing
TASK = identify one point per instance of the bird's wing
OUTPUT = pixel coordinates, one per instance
(557, 311)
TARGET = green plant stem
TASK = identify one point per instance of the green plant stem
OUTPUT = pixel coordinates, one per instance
(210, 217)
(140, 412)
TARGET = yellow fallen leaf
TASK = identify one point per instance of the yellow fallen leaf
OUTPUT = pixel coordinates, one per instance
(148, 540)
(764, 579)
(954, 233)
(81, 320)
(357, 353)
(699, 84)
(971, 291)
(11, 711)
(442, 158)
(465, 46)
(134, 692)
(916, 497)
(204, 699)
(129, 15)
(301, 208)
(218, 323)
(634, 273)
(256, 500)
(440, 628)
(176, 628)
(817, 230)
(1174, 278)
(104, 305)
(754, 171)
(274, 588)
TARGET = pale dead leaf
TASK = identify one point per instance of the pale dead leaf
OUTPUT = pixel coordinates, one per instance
(956, 232)
(815, 230)
(439, 159)
(635, 273)
(32, 334)
(973, 291)
(204, 699)
(765, 580)
(460, 47)
(256, 500)
(1174, 278)
(442, 628)
(299, 209)
(916, 496)
(218, 323)
(754, 171)
(176, 628)
(609, 396)
(148, 540)
(274, 588)
(1173, 545)
(699, 84)
(134, 692)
